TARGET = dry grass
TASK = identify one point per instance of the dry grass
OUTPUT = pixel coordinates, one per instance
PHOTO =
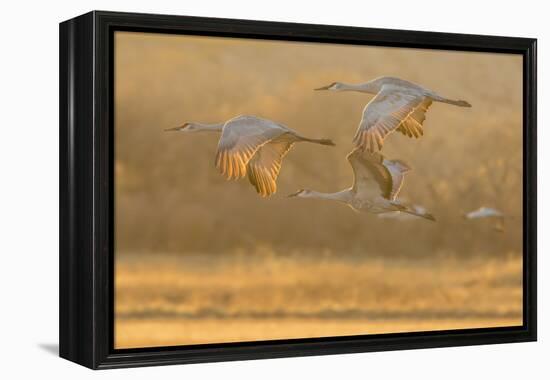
(136, 333)
(168, 300)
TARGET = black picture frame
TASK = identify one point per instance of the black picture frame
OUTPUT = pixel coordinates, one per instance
(86, 189)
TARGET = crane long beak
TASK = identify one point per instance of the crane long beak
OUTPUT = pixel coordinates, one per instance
(173, 129)
(294, 194)
(430, 217)
(322, 88)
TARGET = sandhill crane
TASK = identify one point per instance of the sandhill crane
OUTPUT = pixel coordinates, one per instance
(488, 213)
(484, 212)
(254, 146)
(376, 185)
(398, 215)
(398, 105)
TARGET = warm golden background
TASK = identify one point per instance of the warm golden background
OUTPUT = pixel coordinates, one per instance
(202, 260)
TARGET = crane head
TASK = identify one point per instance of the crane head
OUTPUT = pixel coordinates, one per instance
(334, 86)
(300, 193)
(186, 127)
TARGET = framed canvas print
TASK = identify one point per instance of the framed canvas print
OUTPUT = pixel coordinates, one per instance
(237, 189)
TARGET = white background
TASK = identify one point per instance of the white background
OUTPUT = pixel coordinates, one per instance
(29, 188)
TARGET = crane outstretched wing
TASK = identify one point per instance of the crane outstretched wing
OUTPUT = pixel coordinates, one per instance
(397, 170)
(388, 111)
(412, 125)
(370, 177)
(240, 140)
(376, 176)
(265, 165)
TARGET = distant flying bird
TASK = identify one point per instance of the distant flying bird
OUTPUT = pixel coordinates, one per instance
(484, 212)
(398, 105)
(488, 213)
(254, 146)
(376, 185)
(398, 215)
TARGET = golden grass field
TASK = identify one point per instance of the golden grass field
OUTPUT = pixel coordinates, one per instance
(204, 299)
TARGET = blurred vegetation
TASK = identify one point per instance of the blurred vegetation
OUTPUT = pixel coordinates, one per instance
(170, 197)
(190, 299)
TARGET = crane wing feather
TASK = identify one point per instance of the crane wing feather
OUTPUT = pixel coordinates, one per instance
(265, 165)
(376, 176)
(388, 111)
(397, 170)
(371, 178)
(240, 140)
(412, 125)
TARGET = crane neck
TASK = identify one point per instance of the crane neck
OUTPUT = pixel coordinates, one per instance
(216, 127)
(344, 196)
(361, 87)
